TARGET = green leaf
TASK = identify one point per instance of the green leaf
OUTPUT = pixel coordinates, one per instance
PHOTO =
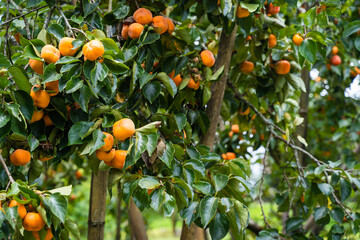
(33, 142)
(99, 73)
(167, 82)
(271, 234)
(219, 226)
(65, 191)
(72, 228)
(50, 73)
(83, 97)
(130, 53)
(169, 205)
(36, 168)
(149, 128)
(4, 118)
(345, 189)
(217, 74)
(12, 216)
(150, 38)
(220, 181)
(25, 102)
(351, 28)
(57, 30)
(149, 182)
(251, 7)
(168, 155)
(110, 45)
(152, 90)
(308, 50)
(189, 213)
(116, 66)
(325, 188)
(157, 199)
(74, 84)
(29, 52)
(317, 36)
(207, 208)
(310, 17)
(320, 213)
(181, 121)
(293, 223)
(204, 187)
(76, 132)
(89, 7)
(67, 60)
(337, 214)
(57, 204)
(195, 165)
(21, 78)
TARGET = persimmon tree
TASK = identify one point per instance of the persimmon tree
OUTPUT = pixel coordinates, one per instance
(140, 95)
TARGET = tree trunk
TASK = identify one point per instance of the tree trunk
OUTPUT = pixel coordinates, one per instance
(118, 219)
(218, 88)
(213, 108)
(97, 207)
(136, 221)
(301, 130)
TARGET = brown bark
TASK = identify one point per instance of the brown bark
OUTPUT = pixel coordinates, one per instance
(97, 207)
(118, 219)
(213, 108)
(137, 225)
(218, 88)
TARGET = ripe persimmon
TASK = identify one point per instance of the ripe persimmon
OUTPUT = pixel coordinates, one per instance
(235, 128)
(20, 157)
(207, 57)
(242, 12)
(297, 39)
(272, 41)
(109, 142)
(335, 60)
(105, 156)
(135, 30)
(48, 121)
(36, 65)
(123, 129)
(37, 116)
(171, 25)
(177, 79)
(41, 98)
(230, 155)
(224, 156)
(231, 134)
(282, 67)
(247, 67)
(125, 32)
(33, 222)
(93, 50)
(119, 159)
(160, 24)
(50, 54)
(53, 87)
(78, 174)
(65, 47)
(194, 85)
(21, 208)
(48, 235)
(143, 16)
(334, 50)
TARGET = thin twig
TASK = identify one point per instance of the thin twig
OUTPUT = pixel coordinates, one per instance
(262, 180)
(48, 17)
(22, 15)
(66, 21)
(136, 3)
(6, 169)
(80, 31)
(27, 27)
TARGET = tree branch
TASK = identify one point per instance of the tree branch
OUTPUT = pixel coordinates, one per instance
(6, 169)
(66, 21)
(20, 16)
